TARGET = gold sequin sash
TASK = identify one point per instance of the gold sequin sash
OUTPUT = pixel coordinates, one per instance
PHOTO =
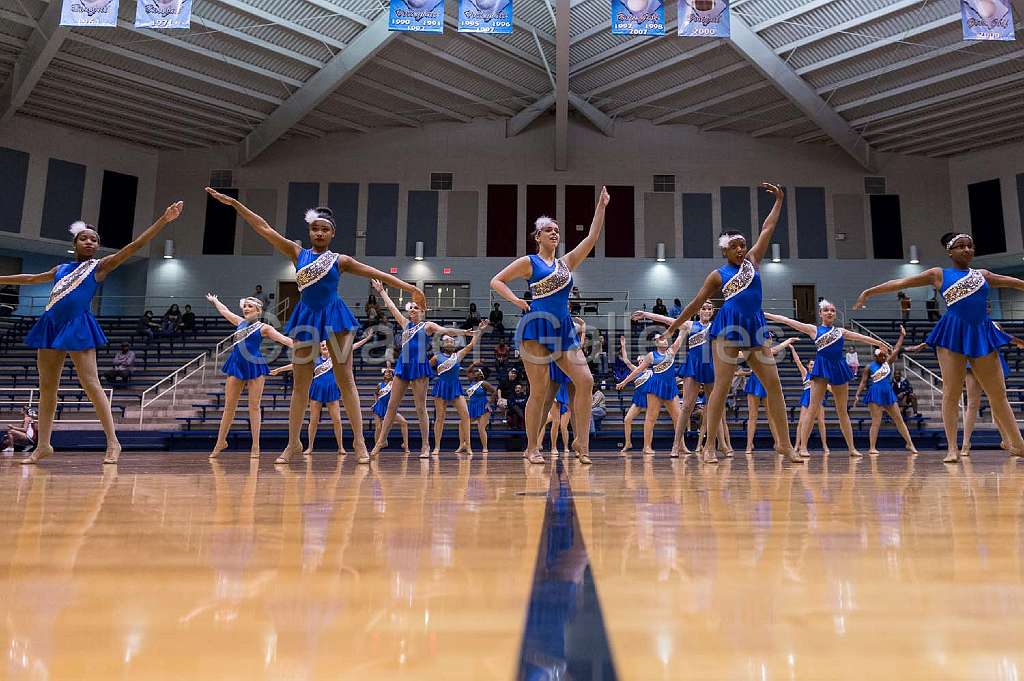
(409, 334)
(316, 270)
(697, 339)
(968, 286)
(828, 338)
(70, 282)
(882, 373)
(383, 391)
(447, 364)
(740, 281)
(242, 334)
(473, 388)
(322, 368)
(665, 364)
(553, 283)
(642, 378)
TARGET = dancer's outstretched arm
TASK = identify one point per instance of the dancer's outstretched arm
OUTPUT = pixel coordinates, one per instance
(281, 370)
(799, 363)
(1003, 281)
(784, 345)
(349, 264)
(680, 337)
(640, 315)
(361, 342)
(520, 268)
(232, 318)
(577, 255)
(637, 370)
(113, 261)
(390, 304)
(25, 279)
(267, 331)
(756, 253)
(863, 383)
(473, 338)
(623, 355)
(931, 277)
(712, 283)
(899, 345)
(281, 244)
(433, 328)
(867, 340)
(806, 329)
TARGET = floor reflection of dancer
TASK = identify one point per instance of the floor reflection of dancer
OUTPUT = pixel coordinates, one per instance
(323, 391)
(319, 315)
(805, 403)
(478, 398)
(545, 332)
(880, 396)
(964, 333)
(638, 401)
(830, 367)
(245, 367)
(741, 324)
(448, 390)
(661, 387)
(380, 409)
(68, 327)
(414, 368)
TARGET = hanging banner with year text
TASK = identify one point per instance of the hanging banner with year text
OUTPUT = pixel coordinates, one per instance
(704, 18)
(422, 16)
(638, 17)
(88, 13)
(987, 19)
(485, 16)
(163, 13)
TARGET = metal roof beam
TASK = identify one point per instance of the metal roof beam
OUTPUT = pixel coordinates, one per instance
(412, 99)
(465, 65)
(47, 37)
(746, 115)
(654, 68)
(529, 114)
(375, 110)
(339, 69)
(714, 101)
(845, 26)
(241, 36)
(683, 87)
(562, 39)
(765, 60)
(441, 85)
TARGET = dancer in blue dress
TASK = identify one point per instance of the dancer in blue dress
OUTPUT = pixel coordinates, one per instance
(638, 402)
(380, 409)
(448, 390)
(830, 367)
(245, 367)
(324, 392)
(662, 390)
(558, 417)
(320, 314)
(880, 397)
(964, 333)
(478, 398)
(561, 386)
(68, 327)
(805, 403)
(740, 324)
(414, 367)
(545, 332)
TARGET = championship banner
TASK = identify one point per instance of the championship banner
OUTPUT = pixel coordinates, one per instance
(704, 18)
(88, 13)
(638, 17)
(485, 16)
(424, 16)
(163, 13)
(987, 19)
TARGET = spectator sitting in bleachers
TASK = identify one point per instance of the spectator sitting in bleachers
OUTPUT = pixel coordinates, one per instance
(659, 308)
(170, 323)
(23, 438)
(676, 309)
(123, 362)
(904, 392)
(508, 384)
(497, 320)
(516, 414)
(501, 354)
(372, 313)
(598, 408)
(188, 321)
(147, 326)
(472, 317)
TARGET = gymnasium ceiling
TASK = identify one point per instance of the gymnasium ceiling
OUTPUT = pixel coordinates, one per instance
(892, 73)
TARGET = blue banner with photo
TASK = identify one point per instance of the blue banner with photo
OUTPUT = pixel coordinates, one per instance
(638, 17)
(485, 16)
(704, 18)
(88, 13)
(422, 16)
(163, 13)
(987, 19)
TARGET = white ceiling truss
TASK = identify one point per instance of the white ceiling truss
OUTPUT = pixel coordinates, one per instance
(882, 75)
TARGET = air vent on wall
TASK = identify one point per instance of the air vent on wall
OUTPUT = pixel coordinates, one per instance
(221, 178)
(441, 182)
(664, 183)
(874, 185)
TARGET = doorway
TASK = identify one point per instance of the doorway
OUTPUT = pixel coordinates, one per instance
(806, 301)
(287, 290)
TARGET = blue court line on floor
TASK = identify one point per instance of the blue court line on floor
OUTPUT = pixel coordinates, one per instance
(565, 636)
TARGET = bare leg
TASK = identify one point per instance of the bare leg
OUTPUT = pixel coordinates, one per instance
(462, 409)
(440, 415)
(674, 411)
(768, 374)
(725, 368)
(552, 420)
(404, 427)
(971, 414)
(539, 378)
(876, 424)
(627, 427)
(801, 444)
(399, 386)
(340, 347)
(897, 417)
(419, 399)
(690, 390)
(563, 426)
(376, 429)
(650, 419)
(842, 396)
(255, 390)
(232, 393)
(481, 429)
(822, 430)
(50, 364)
(315, 411)
(725, 439)
(334, 409)
(89, 379)
(574, 365)
(753, 409)
(302, 376)
(954, 368)
(989, 373)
